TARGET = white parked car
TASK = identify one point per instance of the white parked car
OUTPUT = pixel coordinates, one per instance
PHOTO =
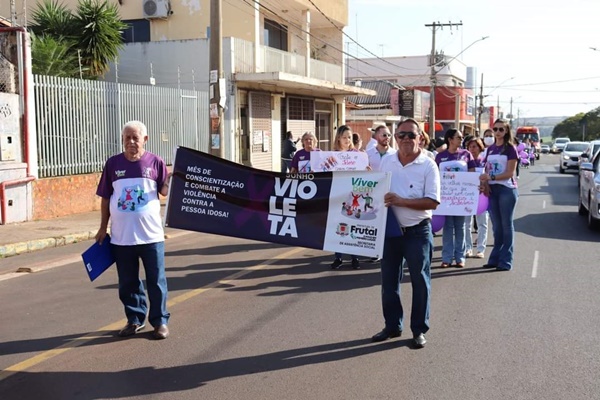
(589, 191)
(559, 144)
(569, 158)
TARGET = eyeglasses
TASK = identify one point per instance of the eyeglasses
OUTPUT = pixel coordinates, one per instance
(401, 135)
(498, 129)
(386, 134)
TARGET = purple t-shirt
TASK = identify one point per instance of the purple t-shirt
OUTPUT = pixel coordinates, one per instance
(462, 160)
(496, 162)
(301, 161)
(132, 189)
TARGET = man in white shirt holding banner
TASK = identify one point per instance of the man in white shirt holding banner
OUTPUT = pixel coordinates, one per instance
(414, 193)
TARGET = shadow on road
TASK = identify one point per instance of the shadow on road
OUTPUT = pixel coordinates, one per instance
(556, 225)
(150, 381)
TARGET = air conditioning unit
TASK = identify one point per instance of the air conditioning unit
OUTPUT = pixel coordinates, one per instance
(156, 8)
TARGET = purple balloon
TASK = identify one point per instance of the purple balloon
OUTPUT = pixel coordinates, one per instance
(521, 147)
(483, 203)
(437, 223)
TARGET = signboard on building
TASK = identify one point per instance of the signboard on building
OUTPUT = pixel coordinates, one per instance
(411, 103)
(470, 109)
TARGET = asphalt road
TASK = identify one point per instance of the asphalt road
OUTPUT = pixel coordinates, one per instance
(261, 321)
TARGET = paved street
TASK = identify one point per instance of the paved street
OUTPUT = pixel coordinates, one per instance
(261, 321)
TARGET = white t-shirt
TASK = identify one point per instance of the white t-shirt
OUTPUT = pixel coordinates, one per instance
(416, 180)
(375, 157)
(372, 143)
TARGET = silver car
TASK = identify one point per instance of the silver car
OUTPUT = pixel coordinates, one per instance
(589, 191)
(569, 158)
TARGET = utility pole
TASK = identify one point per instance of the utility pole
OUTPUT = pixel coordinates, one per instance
(480, 108)
(433, 60)
(216, 83)
(510, 116)
(13, 13)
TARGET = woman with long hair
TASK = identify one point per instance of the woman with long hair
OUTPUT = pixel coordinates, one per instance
(498, 181)
(343, 142)
(454, 158)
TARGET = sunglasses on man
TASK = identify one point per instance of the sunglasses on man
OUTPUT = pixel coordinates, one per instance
(401, 135)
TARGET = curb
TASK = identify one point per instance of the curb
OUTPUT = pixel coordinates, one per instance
(13, 249)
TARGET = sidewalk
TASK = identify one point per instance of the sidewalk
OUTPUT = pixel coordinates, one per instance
(31, 236)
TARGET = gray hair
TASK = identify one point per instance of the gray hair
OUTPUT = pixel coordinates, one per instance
(136, 125)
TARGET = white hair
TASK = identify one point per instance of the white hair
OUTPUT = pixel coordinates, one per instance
(136, 125)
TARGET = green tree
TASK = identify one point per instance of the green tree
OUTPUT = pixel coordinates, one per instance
(97, 30)
(53, 57)
(572, 127)
(91, 35)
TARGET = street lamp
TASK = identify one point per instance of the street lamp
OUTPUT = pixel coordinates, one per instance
(443, 63)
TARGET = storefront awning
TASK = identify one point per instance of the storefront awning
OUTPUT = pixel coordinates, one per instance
(282, 82)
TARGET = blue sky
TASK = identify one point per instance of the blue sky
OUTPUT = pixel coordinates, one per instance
(538, 52)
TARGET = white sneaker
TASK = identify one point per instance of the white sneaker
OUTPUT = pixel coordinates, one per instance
(468, 254)
(479, 255)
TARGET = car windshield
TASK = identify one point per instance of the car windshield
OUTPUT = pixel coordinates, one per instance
(559, 141)
(576, 147)
(595, 149)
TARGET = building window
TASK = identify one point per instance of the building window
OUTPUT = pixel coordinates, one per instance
(301, 109)
(275, 35)
(138, 30)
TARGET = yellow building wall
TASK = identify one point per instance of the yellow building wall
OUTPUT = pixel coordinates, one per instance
(190, 18)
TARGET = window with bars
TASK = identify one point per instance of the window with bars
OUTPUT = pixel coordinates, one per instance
(301, 109)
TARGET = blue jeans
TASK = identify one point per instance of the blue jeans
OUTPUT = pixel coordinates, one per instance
(482, 231)
(453, 239)
(131, 288)
(503, 201)
(416, 247)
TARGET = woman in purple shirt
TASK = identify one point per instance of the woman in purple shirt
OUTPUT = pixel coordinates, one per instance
(498, 181)
(453, 236)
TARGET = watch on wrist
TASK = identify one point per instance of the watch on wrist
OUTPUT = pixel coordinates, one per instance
(493, 177)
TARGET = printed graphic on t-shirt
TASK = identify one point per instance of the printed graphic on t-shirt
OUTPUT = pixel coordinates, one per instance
(454, 166)
(132, 199)
(304, 166)
(496, 164)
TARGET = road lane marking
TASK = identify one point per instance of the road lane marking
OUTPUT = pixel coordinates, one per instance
(544, 205)
(76, 342)
(536, 258)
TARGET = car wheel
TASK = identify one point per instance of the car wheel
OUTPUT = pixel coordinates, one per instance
(561, 170)
(592, 222)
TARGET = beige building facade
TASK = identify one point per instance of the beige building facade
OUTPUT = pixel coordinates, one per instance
(283, 65)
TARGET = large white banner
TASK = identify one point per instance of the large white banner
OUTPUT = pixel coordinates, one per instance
(323, 161)
(459, 193)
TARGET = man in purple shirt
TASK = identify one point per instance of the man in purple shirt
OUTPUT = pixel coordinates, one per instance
(129, 188)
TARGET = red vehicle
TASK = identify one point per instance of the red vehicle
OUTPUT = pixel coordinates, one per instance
(533, 134)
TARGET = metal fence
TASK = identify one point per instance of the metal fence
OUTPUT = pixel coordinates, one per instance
(79, 121)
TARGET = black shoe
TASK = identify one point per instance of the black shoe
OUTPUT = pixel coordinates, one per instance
(336, 264)
(131, 329)
(419, 341)
(355, 263)
(489, 266)
(385, 335)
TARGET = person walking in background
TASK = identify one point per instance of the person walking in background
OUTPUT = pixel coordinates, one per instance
(288, 149)
(498, 182)
(301, 160)
(357, 141)
(343, 142)
(414, 193)
(136, 229)
(475, 147)
(453, 235)
(376, 154)
(488, 139)
(425, 144)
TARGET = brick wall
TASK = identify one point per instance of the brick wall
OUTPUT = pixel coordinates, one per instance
(57, 197)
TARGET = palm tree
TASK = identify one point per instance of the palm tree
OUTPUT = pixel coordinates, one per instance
(97, 30)
(53, 57)
(51, 18)
(92, 32)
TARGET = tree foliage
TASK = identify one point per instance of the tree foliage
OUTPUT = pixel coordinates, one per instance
(573, 127)
(90, 35)
(53, 57)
